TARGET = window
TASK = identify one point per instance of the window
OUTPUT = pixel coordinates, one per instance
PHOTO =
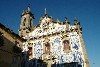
(24, 21)
(31, 22)
(47, 48)
(30, 50)
(66, 46)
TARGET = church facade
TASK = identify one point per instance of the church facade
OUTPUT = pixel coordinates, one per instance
(52, 43)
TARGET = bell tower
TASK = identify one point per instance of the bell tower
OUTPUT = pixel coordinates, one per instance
(26, 22)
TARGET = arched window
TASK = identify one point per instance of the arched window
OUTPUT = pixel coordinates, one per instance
(24, 21)
(66, 46)
(30, 25)
(47, 48)
(30, 50)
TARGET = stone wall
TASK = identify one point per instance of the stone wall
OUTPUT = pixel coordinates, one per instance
(8, 38)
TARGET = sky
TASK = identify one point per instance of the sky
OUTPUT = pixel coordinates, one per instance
(86, 11)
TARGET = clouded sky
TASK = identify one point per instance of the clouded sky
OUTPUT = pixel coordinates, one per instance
(87, 12)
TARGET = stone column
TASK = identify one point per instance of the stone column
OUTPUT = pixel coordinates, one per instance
(86, 62)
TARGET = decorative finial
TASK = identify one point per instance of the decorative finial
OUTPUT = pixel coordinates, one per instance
(66, 20)
(57, 20)
(28, 9)
(45, 12)
(23, 12)
(75, 19)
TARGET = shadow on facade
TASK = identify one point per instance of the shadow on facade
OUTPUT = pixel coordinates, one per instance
(8, 52)
(14, 60)
(33, 62)
(39, 63)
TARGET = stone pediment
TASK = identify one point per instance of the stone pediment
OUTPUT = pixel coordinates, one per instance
(47, 26)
